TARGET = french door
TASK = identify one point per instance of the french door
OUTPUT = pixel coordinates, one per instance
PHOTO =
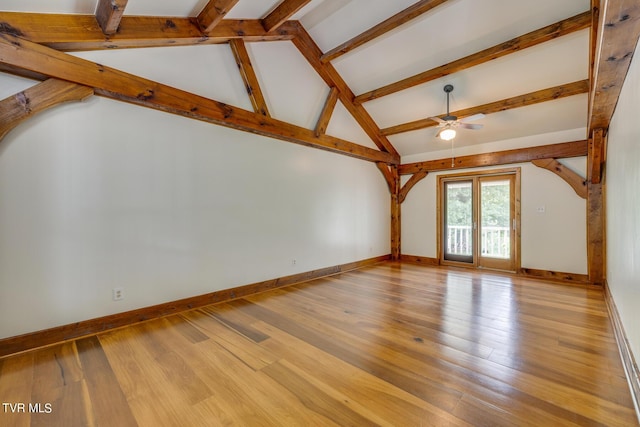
(479, 223)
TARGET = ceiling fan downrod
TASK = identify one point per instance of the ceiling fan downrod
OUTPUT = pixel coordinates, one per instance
(448, 89)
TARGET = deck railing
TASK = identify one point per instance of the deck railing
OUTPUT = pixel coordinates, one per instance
(495, 241)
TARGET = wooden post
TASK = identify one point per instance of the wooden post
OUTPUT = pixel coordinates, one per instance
(392, 176)
(596, 253)
(395, 214)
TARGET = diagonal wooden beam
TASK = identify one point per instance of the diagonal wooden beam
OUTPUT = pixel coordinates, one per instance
(213, 12)
(328, 73)
(593, 38)
(6, 68)
(24, 105)
(532, 98)
(126, 87)
(249, 76)
(567, 26)
(556, 151)
(618, 31)
(327, 112)
(578, 183)
(82, 32)
(282, 13)
(387, 25)
(109, 13)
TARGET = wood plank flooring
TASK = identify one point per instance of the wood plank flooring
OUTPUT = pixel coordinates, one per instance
(391, 345)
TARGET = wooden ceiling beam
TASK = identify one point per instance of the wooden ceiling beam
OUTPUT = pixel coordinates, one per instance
(109, 13)
(554, 151)
(550, 32)
(282, 13)
(126, 87)
(213, 12)
(82, 32)
(618, 32)
(550, 94)
(328, 73)
(387, 25)
(249, 77)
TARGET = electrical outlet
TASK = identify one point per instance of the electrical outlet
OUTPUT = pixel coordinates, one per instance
(118, 294)
(541, 209)
(293, 262)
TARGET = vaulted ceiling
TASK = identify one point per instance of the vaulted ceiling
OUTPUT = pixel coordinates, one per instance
(525, 65)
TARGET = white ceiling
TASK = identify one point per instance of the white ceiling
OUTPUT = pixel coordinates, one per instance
(449, 32)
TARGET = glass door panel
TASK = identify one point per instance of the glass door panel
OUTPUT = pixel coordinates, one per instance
(458, 221)
(477, 220)
(496, 218)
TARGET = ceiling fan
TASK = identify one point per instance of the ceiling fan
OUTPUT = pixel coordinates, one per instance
(448, 123)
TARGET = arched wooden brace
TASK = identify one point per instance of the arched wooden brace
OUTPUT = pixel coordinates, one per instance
(576, 182)
(23, 105)
(387, 173)
(415, 178)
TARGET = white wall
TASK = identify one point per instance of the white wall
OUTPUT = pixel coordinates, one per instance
(623, 206)
(555, 240)
(104, 194)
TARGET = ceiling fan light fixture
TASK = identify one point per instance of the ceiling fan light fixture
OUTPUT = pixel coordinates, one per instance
(447, 134)
(448, 122)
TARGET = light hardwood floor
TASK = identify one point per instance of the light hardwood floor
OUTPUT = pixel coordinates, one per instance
(392, 344)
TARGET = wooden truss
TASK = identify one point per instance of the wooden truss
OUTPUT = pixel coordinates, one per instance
(34, 46)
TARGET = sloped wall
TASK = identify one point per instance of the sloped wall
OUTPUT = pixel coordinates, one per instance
(104, 194)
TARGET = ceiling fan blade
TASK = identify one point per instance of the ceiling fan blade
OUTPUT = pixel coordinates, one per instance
(472, 118)
(439, 132)
(474, 126)
(437, 119)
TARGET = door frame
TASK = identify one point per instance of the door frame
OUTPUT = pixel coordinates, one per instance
(474, 176)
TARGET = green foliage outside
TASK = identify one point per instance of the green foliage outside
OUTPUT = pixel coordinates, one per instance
(459, 207)
(495, 204)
